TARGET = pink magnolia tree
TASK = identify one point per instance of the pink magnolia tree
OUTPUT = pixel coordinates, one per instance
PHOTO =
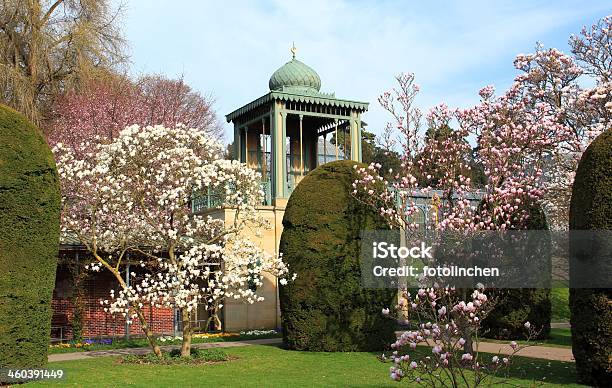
(512, 139)
(130, 199)
(527, 142)
(509, 136)
(104, 107)
(554, 81)
(440, 314)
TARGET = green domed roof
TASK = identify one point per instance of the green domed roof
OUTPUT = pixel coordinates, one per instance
(295, 75)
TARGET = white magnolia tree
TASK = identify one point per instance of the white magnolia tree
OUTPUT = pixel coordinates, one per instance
(131, 199)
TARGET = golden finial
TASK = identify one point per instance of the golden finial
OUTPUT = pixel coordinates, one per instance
(293, 50)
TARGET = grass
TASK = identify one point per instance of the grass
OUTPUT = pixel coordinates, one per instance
(142, 342)
(271, 366)
(560, 304)
(559, 338)
(198, 356)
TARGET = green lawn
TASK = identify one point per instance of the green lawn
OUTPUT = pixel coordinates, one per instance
(561, 337)
(560, 304)
(261, 365)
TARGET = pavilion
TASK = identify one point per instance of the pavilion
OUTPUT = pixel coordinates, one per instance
(278, 133)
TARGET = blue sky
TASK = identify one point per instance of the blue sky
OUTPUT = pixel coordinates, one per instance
(229, 49)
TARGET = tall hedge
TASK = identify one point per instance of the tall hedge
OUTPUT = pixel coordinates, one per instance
(519, 305)
(29, 241)
(326, 308)
(591, 309)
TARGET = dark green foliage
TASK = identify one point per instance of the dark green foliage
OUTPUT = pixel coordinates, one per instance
(29, 241)
(514, 308)
(325, 308)
(517, 306)
(371, 152)
(591, 309)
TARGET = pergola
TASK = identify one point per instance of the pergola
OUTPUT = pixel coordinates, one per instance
(278, 133)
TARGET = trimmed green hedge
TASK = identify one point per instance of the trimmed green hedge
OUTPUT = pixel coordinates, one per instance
(517, 306)
(591, 309)
(325, 308)
(29, 241)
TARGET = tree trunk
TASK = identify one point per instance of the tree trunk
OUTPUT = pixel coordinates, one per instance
(468, 347)
(186, 345)
(149, 333)
(143, 320)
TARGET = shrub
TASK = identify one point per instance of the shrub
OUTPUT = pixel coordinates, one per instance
(591, 309)
(326, 308)
(516, 306)
(29, 241)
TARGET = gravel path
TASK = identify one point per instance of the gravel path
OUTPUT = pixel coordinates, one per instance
(543, 352)
(536, 351)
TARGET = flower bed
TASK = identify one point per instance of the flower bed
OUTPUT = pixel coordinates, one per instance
(108, 343)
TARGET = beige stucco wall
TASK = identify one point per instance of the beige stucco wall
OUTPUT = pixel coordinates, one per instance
(237, 314)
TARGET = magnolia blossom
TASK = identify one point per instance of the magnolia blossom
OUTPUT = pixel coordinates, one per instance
(133, 197)
(510, 136)
(555, 81)
(444, 332)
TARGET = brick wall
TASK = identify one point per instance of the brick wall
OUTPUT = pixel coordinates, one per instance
(97, 322)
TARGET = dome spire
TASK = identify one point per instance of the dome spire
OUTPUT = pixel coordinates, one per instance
(293, 50)
(295, 76)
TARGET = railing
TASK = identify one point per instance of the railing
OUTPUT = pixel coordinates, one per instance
(428, 204)
(254, 159)
(215, 199)
(212, 199)
(267, 189)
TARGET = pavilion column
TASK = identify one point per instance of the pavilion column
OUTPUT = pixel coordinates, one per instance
(336, 137)
(246, 146)
(279, 150)
(237, 147)
(243, 145)
(355, 138)
(346, 132)
(263, 155)
(324, 148)
(359, 136)
(301, 148)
